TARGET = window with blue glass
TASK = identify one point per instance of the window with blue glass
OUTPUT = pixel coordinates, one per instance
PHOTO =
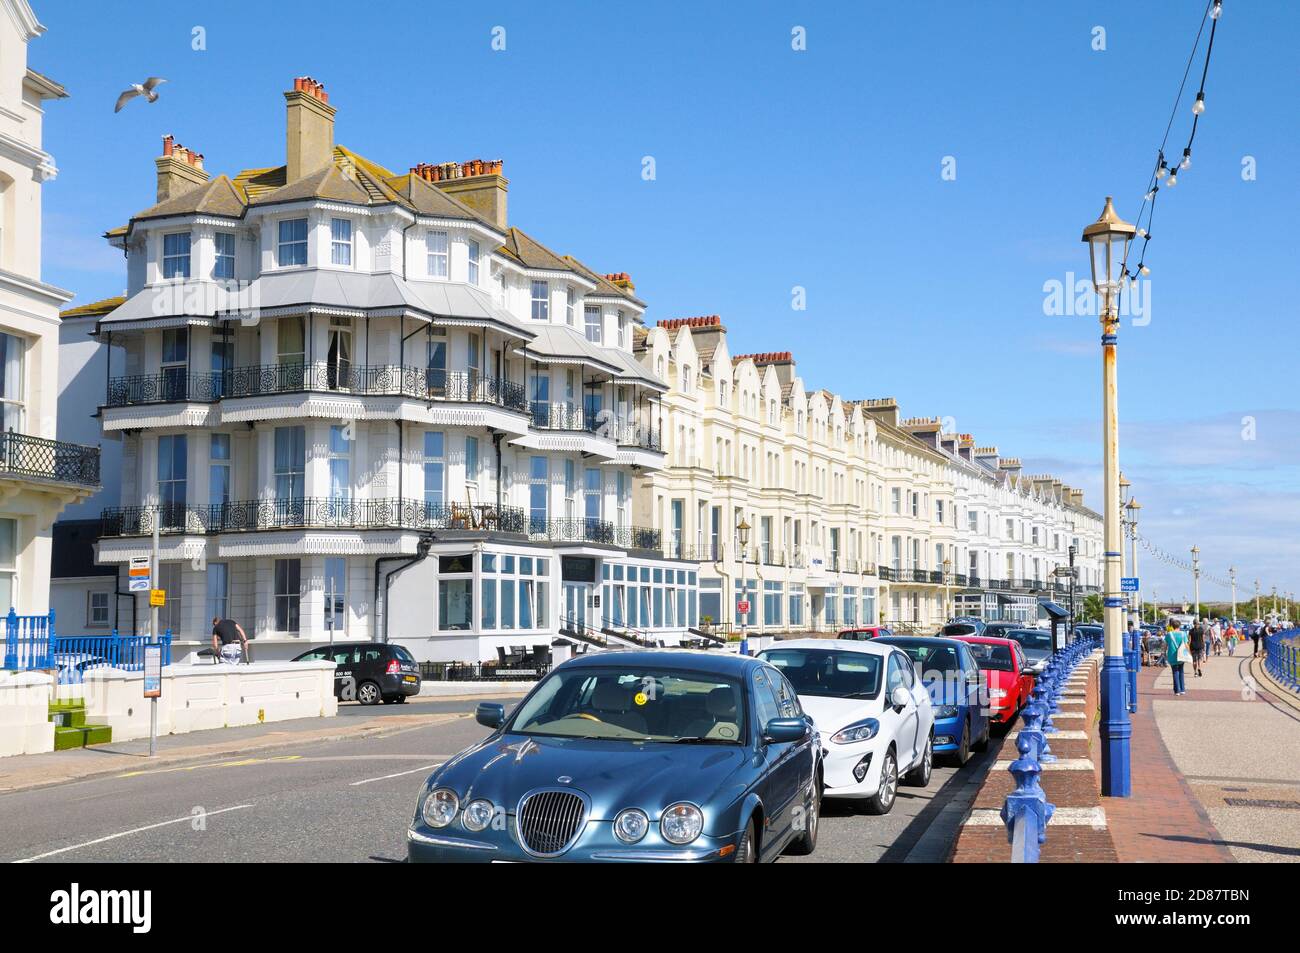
(223, 265)
(292, 245)
(176, 255)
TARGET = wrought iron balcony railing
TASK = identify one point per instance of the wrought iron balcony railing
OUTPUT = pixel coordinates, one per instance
(172, 385)
(54, 460)
(308, 513)
(604, 532)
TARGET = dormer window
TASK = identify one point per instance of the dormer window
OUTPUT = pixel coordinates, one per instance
(176, 255)
(541, 301)
(223, 265)
(472, 248)
(591, 317)
(436, 245)
(292, 248)
(341, 242)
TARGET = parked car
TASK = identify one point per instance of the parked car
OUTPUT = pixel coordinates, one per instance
(1007, 675)
(369, 672)
(1037, 644)
(999, 630)
(959, 627)
(1088, 630)
(948, 669)
(660, 755)
(871, 711)
(864, 633)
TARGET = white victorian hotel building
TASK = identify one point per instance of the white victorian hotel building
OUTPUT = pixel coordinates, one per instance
(359, 404)
(856, 516)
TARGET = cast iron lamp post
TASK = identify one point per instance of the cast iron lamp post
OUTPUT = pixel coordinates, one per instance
(1108, 240)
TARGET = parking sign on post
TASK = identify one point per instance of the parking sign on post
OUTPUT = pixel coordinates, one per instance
(153, 690)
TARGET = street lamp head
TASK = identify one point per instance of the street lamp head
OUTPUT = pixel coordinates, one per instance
(742, 532)
(1124, 486)
(1108, 240)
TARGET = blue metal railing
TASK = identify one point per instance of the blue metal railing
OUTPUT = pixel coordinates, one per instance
(31, 644)
(1027, 811)
(1282, 657)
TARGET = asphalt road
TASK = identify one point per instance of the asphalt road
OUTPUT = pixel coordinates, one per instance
(350, 801)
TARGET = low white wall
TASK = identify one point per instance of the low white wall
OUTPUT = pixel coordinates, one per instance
(197, 697)
(25, 726)
(502, 687)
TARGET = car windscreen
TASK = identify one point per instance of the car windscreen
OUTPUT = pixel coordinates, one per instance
(993, 658)
(828, 673)
(634, 704)
(932, 659)
(1036, 640)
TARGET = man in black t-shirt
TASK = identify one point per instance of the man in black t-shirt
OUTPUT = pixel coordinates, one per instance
(229, 643)
(1196, 642)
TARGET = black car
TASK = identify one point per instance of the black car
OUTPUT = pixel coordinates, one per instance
(369, 671)
(1088, 630)
(999, 630)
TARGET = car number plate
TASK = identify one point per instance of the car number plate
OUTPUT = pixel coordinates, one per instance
(410, 678)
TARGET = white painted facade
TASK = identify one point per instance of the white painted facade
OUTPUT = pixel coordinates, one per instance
(401, 377)
(39, 476)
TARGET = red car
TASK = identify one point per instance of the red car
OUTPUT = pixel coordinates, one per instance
(864, 633)
(1006, 674)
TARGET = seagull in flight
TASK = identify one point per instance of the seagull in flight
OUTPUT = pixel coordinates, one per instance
(145, 89)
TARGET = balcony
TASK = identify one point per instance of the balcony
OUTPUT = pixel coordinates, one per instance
(600, 532)
(53, 461)
(179, 385)
(308, 513)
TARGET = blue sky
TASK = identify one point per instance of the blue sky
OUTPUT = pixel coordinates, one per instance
(820, 169)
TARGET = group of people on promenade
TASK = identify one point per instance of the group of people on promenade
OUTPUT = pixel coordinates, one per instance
(1179, 647)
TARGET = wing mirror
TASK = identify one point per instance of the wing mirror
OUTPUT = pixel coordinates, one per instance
(899, 697)
(490, 714)
(1028, 670)
(781, 730)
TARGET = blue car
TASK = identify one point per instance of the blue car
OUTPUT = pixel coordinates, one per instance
(661, 755)
(957, 693)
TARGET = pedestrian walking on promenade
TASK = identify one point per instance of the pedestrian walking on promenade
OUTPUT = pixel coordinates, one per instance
(1177, 655)
(1216, 637)
(1232, 640)
(1196, 641)
(1256, 633)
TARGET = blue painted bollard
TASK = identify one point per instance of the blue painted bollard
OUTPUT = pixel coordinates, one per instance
(1026, 811)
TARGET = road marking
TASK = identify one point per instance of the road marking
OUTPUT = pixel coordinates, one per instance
(212, 764)
(427, 767)
(135, 830)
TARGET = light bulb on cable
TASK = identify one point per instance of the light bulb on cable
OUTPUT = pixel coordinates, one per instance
(1163, 170)
(1150, 195)
(1217, 11)
(1172, 180)
(1142, 233)
(1144, 270)
(1187, 159)
(1198, 107)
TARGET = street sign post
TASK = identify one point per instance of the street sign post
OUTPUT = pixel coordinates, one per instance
(743, 607)
(1129, 584)
(157, 598)
(153, 690)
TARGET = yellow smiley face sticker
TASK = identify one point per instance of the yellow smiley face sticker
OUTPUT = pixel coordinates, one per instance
(640, 698)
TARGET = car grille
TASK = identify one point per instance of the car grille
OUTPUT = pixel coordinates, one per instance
(550, 821)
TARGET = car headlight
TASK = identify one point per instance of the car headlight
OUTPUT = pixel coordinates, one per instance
(681, 823)
(946, 711)
(858, 731)
(477, 815)
(630, 825)
(440, 807)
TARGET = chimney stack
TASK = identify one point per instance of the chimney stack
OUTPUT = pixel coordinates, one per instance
(179, 169)
(479, 183)
(309, 128)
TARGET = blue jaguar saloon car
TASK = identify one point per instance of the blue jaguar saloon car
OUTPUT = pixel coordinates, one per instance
(659, 755)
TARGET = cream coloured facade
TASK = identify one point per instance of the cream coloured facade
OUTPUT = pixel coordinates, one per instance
(857, 515)
(39, 475)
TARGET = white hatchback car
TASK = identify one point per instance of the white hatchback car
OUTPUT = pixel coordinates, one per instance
(873, 715)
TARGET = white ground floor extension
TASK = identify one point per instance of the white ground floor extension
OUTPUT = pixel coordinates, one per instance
(469, 596)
